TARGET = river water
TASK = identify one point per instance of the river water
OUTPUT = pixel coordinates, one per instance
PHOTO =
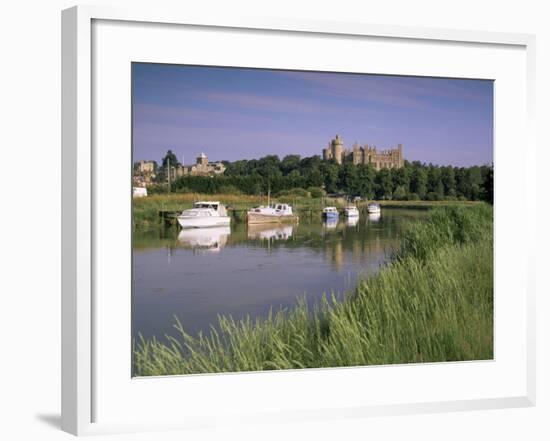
(246, 270)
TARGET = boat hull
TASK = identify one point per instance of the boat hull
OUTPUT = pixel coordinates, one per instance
(259, 218)
(202, 222)
(331, 215)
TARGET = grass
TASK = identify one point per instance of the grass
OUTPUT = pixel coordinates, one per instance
(432, 303)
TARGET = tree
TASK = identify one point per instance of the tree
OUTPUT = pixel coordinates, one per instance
(366, 176)
(169, 156)
(435, 184)
(290, 163)
(487, 187)
(448, 180)
(347, 179)
(402, 178)
(400, 193)
(419, 181)
(384, 184)
(330, 172)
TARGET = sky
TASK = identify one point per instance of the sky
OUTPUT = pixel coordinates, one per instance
(235, 113)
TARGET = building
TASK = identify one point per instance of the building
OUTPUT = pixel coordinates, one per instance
(201, 168)
(392, 158)
(145, 167)
(145, 173)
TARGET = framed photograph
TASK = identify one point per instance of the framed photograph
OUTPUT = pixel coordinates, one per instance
(279, 221)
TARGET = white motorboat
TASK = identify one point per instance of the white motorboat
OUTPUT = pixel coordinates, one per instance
(330, 213)
(204, 214)
(351, 211)
(373, 208)
(277, 213)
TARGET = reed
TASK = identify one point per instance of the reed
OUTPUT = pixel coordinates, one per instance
(433, 302)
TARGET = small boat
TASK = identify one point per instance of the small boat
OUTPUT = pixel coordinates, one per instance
(373, 208)
(330, 213)
(204, 214)
(277, 213)
(351, 211)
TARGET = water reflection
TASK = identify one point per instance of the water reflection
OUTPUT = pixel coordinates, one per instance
(374, 217)
(207, 239)
(247, 270)
(352, 221)
(330, 223)
(269, 232)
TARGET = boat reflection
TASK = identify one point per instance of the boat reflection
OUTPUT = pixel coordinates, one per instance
(208, 239)
(330, 223)
(352, 221)
(374, 217)
(269, 232)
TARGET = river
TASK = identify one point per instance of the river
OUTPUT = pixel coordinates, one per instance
(244, 271)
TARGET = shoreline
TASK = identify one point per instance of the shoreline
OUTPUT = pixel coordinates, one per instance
(145, 210)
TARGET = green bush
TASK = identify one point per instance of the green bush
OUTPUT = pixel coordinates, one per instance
(400, 194)
(316, 192)
(229, 189)
(296, 192)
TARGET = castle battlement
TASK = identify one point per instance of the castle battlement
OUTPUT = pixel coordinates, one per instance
(389, 158)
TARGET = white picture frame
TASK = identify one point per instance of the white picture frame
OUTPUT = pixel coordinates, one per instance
(79, 230)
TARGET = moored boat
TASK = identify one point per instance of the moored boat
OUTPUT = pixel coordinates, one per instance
(351, 211)
(204, 214)
(373, 208)
(277, 213)
(330, 213)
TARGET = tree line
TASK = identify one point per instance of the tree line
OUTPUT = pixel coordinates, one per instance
(414, 181)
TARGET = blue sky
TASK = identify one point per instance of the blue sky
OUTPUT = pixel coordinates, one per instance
(233, 113)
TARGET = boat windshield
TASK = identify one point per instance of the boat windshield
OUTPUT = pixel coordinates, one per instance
(212, 206)
(197, 213)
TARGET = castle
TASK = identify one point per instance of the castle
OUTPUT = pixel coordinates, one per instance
(366, 154)
(201, 168)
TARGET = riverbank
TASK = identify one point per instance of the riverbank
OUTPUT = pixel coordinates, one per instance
(146, 209)
(434, 302)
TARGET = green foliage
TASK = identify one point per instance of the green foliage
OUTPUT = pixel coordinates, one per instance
(258, 176)
(400, 193)
(299, 192)
(433, 303)
(229, 189)
(316, 192)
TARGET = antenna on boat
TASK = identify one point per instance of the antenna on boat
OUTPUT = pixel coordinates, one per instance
(268, 194)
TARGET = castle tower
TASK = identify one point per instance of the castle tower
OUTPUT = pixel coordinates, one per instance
(357, 156)
(337, 148)
(202, 159)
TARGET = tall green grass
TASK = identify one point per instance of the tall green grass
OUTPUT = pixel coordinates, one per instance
(433, 302)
